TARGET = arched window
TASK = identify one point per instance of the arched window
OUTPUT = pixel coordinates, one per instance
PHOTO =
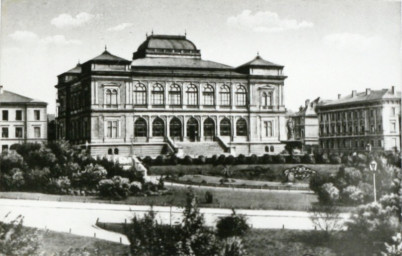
(140, 94)
(108, 96)
(175, 127)
(241, 96)
(266, 149)
(208, 95)
(158, 127)
(110, 151)
(192, 95)
(224, 95)
(225, 128)
(192, 128)
(209, 127)
(241, 127)
(175, 95)
(157, 95)
(272, 148)
(116, 151)
(140, 128)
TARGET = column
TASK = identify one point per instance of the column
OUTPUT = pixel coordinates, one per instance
(217, 126)
(216, 96)
(148, 95)
(184, 96)
(199, 96)
(150, 119)
(184, 128)
(166, 87)
(232, 95)
(202, 129)
(167, 128)
(233, 128)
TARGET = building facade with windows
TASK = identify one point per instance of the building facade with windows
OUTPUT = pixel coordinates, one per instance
(168, 99)
(306, 125)
(22, 119)
(369, 120)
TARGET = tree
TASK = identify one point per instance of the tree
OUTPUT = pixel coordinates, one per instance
(233, 225)
(326, 219)
(395, 247)
(16, 240)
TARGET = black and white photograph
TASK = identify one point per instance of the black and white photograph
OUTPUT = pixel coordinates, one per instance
(200, 128)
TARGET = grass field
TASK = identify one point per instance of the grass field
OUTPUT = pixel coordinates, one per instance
(52, 243)
(263, 172)
(273, 242)
(273, 200)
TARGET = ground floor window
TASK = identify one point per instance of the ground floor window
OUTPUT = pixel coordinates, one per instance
(225, 128)
(241, 127)
(158, 128)
(140, 128)
(209, 127)
(175, 127)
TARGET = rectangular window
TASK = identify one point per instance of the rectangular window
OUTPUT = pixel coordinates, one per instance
(393, 111)
(5, 115)
(174, 98)
(4, 132)
(208, 98)
(192, 98)
(112, 129)
(18, 115)
(37, 115)
(140, 98)
(268, 129)
(225, 98)
(393, 126)
(37, 132)
(18, 132)
(157, 98)
(4, 147)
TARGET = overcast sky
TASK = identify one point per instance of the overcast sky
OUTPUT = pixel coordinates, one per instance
(327, 46)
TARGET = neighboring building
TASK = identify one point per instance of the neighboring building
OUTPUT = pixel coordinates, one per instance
(22, 119)
(169, 99)
(361, 121)
(306, 127)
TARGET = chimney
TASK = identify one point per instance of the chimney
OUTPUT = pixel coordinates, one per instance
(1, 89)
(354, 93)
(307, 102)
(393, 89)
(339, 96)
(368, 91)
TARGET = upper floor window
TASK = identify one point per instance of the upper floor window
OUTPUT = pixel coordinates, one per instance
(208, 95)
(37, 115)
(4, 132)
(140, 94)
(111, 97)
(267, 98)
(393, 126)
(393, 112)
(192, 95)
(241, 96)
(175, 95)
(18, 132)
(224, 95)
(5, 115)
(157, 95)
(18, 115)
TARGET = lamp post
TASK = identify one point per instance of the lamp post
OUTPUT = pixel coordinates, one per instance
(373, 168)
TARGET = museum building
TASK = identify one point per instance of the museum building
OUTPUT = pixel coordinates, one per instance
(169, 100)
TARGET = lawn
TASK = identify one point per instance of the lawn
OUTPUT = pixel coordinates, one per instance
(273, 200)
(263, 172)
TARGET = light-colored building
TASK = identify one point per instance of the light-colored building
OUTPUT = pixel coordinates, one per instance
(22, 119)
(168, 99)
(306, 126)
(361, 121)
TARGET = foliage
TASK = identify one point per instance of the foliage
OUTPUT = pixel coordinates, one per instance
(90, 176)
(115, 188)
(393, 248)
(233, 246)
(209, 197)
(233, 225)
(326, 219)
(328, 194)
(15, 240)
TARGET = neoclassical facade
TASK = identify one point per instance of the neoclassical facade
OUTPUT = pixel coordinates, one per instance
(168, 99)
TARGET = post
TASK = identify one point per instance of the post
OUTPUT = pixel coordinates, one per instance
(375, 191)
(170, 216)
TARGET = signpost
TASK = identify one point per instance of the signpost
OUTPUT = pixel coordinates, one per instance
(373, 168)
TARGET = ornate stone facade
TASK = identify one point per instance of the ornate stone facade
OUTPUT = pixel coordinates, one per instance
(168, 97)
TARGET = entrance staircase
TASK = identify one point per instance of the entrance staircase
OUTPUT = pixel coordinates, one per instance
(195, 149)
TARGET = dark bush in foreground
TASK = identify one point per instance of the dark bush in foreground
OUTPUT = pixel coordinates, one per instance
(233, 225)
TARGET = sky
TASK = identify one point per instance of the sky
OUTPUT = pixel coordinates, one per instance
(327, 46)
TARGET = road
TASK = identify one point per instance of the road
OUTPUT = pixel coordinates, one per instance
(80, 218)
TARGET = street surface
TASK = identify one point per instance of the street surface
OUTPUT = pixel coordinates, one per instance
(80, 218)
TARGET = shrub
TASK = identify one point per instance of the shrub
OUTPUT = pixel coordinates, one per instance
(294, 159)
(352, 195)
(160, 160)
(308, 159)
(316, 181)
(241, 159)
(322, 158)
(90, 177)
(135, 187)
(188, 160)
(335, 159)
(221, 159)
(201, 160)
(174, 160)
(328, 194)
(147, 160)
(279, 159)
(347, 160)
(230, 160)
(233, 246)
(10, 159)
(253, 159)
(233, 225)
(115, 188)
(209, 198)
(266, 159)
(352, 176)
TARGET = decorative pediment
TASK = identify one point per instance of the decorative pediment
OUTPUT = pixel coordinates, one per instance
(266, 87)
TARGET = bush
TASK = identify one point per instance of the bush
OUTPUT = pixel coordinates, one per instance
(209, 198)
(352, 195)
(294, 159)
(347, 160)
(279, 159)
(335, 159)
(174, 160)
(135, 187)
(230, 160)
(253, 159)
(202, 160)
(188, 160)
(147, 160)
(115, 188)
(352, 176)
(90, 177)
(233, 225)
(328, 194)
(241, 159)
(160, 160)
(266, 159)
(308, 159)
(221, 160)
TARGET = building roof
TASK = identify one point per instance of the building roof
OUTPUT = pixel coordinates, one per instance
(107, 57)
(360, 97)
(11, 97)
(74, 70)
(178, 62)
(260, 62)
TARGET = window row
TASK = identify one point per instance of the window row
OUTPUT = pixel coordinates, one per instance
(343, 129)
(18, 115)
(18, 132)
(175, 98)
(175, 127)
(362, 144)
(353, 114)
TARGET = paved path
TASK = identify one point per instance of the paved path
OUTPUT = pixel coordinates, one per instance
(80, 218)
